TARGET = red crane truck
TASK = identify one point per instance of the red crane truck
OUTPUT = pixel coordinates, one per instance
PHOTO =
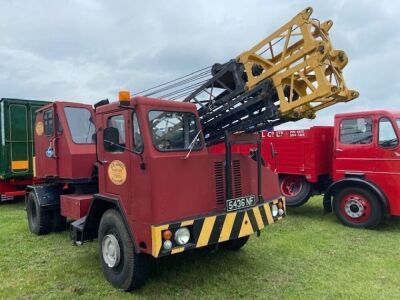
(354, 163)
(137, 176)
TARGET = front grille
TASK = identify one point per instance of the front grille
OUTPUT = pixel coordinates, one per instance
(219, 182)
(219, 177)
(237, 178)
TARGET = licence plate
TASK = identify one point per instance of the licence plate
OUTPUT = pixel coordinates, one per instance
(240, 203)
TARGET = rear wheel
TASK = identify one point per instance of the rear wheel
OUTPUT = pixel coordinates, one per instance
(296, 190)
(39, 220)
(357, 207)
(235, 244)
(122, 266)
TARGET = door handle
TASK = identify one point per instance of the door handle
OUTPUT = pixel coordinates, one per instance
(103, 162)
(397, 154)
(339, 150)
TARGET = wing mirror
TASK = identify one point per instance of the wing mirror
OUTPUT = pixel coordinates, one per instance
(111, 139)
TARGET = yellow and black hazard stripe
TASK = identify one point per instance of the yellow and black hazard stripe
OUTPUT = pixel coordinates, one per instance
(217, 228)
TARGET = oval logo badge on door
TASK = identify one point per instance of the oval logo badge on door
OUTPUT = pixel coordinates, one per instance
(117, 172)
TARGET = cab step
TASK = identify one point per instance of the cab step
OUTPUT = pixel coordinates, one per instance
(76, 231)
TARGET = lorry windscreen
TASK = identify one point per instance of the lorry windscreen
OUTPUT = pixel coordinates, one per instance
(174, 131)
(80, 124)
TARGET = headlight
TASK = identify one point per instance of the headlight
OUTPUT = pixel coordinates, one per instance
(274, 210)
(182, 236)
(280, 211)
(167, 245)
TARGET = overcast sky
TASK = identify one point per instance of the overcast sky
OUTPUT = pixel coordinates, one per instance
(89, 50)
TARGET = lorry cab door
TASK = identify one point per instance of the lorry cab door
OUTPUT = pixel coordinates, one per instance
(46, 133)
(354, 146)
(387, 161)
(115, 173)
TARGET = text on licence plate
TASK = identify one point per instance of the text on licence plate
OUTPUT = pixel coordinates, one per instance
(241, 202)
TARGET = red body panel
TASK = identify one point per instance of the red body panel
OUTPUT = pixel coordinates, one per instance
(302, 152)
(70, 160)
(75, 206)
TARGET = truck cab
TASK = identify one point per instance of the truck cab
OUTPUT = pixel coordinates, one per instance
(366, 166)
(138, 176)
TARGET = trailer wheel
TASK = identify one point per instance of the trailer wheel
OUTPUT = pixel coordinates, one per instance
(235, 244)
(122, 266)
(357, 207)
(39, 220)
(296, 190)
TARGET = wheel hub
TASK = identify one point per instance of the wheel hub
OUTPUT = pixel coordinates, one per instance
(354, 208)
(111, 250)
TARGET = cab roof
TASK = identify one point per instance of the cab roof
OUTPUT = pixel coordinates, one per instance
(392, 113)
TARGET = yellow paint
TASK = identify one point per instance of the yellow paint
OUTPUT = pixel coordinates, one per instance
(117, 172)
(246, 228)
(269, 214)
(206, 231)
(258, 217)
(39, 128)
(156, 238)
(177, 250)
(20, 165)
(307, 71)
(187, 223)
(227, 228)
(34, 166)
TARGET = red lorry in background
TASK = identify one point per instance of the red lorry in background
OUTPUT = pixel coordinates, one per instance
(355, 164)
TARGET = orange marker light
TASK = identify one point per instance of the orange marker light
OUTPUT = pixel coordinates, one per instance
(280, 205)
(167, 234)
(124, 96)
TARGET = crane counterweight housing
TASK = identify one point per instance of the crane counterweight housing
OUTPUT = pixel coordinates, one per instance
(287, 76)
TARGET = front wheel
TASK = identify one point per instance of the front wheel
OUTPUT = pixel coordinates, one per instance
(357, 207)
(122, 266)
(296, 189)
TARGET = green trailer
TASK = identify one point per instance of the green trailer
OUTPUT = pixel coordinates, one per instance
(17, 119)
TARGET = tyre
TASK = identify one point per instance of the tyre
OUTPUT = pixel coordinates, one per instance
(39, 220)
(296, 190)
(357, 207)
(235, 244)
(122, 266)
(59, 222)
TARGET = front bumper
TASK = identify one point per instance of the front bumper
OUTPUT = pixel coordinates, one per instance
(217, 228)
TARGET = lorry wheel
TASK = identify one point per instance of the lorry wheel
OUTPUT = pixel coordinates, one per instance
(39, 220)
(59, 222)
(235, 244)
(122, 266)
(357, 207)
(296, 190)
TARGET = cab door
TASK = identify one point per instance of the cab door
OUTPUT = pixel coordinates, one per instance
(46, 138)
(387, 161)
(115, 171)
(354, 147)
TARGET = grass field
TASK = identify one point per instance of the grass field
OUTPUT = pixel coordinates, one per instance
(307, 255)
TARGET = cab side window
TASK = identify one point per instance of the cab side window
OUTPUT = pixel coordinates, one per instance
(356, 131)
(48, 122)
(387, 135)
(118, 122)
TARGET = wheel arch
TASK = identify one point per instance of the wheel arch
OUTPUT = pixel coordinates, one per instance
(98, 207)
(48, 195)
(354, 182)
